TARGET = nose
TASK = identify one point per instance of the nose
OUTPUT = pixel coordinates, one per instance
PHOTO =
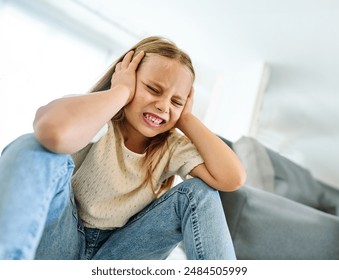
(162, 105)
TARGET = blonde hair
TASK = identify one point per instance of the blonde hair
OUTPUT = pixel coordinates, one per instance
(157, 145)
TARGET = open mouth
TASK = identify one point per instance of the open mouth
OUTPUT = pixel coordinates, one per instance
(153, 120)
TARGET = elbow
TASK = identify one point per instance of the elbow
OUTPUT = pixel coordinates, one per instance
(242, 178)
(50, 136)
(53, 134)
(240, 181)
(234, 183)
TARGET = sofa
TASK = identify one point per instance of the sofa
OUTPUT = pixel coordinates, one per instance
(282, 212)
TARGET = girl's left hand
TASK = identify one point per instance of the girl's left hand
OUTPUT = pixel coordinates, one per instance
(187, 109)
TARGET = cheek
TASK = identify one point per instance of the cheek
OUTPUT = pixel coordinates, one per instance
(132, 108)
(176, 113)
(138, 101)
(142, 96)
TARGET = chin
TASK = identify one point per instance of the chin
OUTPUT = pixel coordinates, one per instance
(153, 133)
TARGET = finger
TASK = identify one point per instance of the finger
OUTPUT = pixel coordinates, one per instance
(118, 66)
(127, 59)
(190, 99)
(136, 60)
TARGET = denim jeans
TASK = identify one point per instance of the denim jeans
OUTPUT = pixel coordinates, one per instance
(39, 219)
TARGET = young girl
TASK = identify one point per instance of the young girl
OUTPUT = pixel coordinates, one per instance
(94, 181)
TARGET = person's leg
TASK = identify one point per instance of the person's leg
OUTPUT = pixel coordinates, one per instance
(267, 226)
(190, 211)
(35, 192)
(63, 237)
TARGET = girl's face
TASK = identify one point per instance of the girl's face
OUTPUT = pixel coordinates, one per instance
(162, 88)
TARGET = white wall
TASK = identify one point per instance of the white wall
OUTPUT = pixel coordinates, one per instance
(39, 62)
(236, 100)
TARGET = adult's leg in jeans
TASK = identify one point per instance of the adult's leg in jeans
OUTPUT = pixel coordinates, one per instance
(35, 192)
(267, 226)
(190, 211)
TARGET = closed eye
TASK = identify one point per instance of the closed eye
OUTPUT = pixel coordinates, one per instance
(177, 103)
(152, 89)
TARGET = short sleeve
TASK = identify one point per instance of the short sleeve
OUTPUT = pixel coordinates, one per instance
(184, 157)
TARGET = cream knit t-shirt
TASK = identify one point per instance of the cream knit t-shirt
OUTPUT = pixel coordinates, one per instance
(107, 179)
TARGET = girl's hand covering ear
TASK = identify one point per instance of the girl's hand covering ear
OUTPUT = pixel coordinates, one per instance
(187, 109)
(189, 102)
(125, 73)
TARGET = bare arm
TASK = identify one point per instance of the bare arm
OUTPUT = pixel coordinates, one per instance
(221, 169)
(68, 124)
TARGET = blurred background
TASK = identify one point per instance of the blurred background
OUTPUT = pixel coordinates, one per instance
(267, 69)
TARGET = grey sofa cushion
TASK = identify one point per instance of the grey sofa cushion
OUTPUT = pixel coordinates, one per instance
(270, 171)
(270, 227)
(254, 157)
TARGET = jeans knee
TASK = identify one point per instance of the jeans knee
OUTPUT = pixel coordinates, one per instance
(26, 142)
(199, 189)
(26, 149)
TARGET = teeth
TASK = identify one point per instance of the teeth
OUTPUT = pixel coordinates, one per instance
(153, 119)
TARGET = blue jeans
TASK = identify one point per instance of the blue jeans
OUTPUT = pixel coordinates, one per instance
(39, 219)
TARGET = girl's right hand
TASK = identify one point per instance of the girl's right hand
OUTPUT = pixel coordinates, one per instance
(125, 73)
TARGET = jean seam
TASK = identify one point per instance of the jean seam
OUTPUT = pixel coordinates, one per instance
(93, 244)
(195, 227)
(65, 169)
(194, 223)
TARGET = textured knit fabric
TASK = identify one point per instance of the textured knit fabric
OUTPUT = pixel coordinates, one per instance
(108, 178)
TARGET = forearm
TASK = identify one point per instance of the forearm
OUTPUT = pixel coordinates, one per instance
(68, 124)
(221, 162)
